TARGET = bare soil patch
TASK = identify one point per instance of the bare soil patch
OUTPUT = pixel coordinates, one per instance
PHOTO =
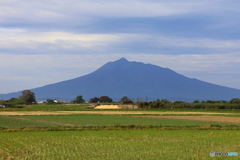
(116, 107)
(108, 107)
(22, 113)
(199, 118)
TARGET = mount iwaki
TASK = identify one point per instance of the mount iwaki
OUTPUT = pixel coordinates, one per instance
(134, 80)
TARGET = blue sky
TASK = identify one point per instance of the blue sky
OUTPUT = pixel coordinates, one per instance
(43, 42)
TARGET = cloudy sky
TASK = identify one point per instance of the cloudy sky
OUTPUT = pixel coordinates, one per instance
(48, 41)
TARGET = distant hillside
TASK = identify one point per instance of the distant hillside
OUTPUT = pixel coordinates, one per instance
(135, 80)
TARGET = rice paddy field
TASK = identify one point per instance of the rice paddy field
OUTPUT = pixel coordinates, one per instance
(73, 134)
(120, 144)
(9, 122)
(33, 121)
(112, 120)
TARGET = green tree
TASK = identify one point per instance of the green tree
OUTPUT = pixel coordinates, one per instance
(28, 97)
(11, 102)
(2, 101)
(94, 100)
(126, 100)
(105, 99)
(79, 99)
(235, 101)
(196, 101)
(50, 101)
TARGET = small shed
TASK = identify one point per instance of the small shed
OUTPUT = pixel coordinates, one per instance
(2, 106)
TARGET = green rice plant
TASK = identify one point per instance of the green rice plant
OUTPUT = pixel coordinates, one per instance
(112, 120)
(10, 122)
(120, 144)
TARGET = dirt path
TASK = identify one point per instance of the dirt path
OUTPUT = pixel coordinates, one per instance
(21, 113)
(60, 123)
(199, 118)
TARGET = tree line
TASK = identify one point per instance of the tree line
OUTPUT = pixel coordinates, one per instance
(234, 103)
(28, 97)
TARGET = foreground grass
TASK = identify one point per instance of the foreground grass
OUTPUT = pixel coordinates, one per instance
(123, 144)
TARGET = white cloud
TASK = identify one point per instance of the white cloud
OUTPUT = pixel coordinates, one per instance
(47, 41)
(75, 9)
(199, 42)
(53, 37)
(56, 41)
(63, 39)
(33, 63)
(5, 32)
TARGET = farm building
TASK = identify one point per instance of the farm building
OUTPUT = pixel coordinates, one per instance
(41, 102)
(60, 101)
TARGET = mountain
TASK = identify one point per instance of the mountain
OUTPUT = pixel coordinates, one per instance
(135, 80)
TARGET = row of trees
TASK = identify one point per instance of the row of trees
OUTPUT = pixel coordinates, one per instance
(208, 104)
(232, 101)
(106, 99)
(102, 99)
(28, 97)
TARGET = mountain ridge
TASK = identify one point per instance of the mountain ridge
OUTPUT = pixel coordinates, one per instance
(135, 80)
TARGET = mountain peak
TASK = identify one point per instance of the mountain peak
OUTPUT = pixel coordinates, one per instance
(122, 60)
